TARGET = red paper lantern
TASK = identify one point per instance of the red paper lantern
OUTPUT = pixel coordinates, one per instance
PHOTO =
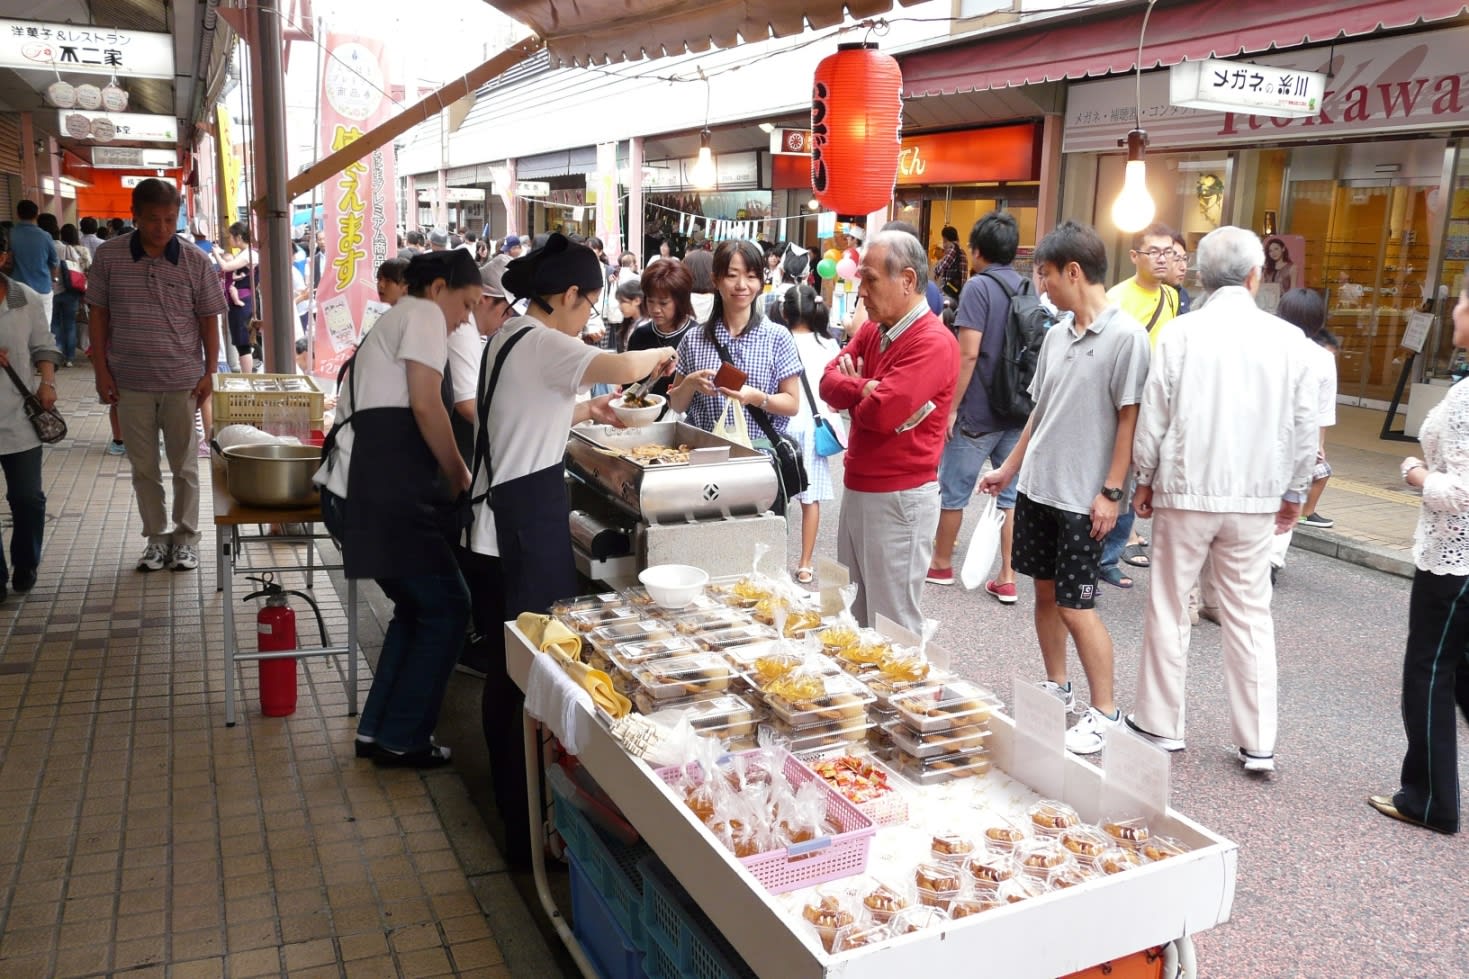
(856, 129)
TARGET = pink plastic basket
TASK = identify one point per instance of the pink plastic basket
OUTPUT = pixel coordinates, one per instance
(841, 854)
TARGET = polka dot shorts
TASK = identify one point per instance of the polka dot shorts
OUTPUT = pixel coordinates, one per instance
(1057, 545)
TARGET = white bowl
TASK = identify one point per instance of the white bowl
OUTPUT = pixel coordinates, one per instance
(674, 585)
(638, 417)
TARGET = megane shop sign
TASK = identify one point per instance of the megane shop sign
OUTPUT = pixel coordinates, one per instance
(1227, 86)
(85, 49)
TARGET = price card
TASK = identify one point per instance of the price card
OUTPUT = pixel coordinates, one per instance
(1416, 332)
(1040, 739)
(891, 630)
(1134, 776)
(339, 325)
(833, 575)
(371, 313)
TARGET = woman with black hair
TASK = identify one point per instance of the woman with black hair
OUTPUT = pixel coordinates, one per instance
(806, 316)
(520, 541)
(390, 479)
(241, 264)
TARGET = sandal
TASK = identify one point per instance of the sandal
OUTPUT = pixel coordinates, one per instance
(805, 576)
(1133, 555)
(1114, 577)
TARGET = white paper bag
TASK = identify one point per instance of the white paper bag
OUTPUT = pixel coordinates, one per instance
(984, 545)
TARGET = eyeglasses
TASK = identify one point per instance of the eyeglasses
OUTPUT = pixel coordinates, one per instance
(1155, 253)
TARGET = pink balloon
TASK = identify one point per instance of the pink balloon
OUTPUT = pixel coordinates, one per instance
(847, 268)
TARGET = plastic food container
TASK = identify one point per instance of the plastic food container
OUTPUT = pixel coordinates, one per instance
(987, 870)
(1087, 842)
(882, 901)
(885, 688)
(1003, 836)
(607, 637)
(833, 697)
(828, 913)
(925, 746)
(1131, 833)
(819, 737)
(1038, 857)
(586, 620)
(709, 620)
(705, 712)
(626, 655)
(838, 637)
(1161, 848)
(909, 920)
(939, 708)
(904, 665)
(1049, 817)
(963, 907)
(859, 936)
(1115, 860)
(587, 603)
(952, 847)
(683, 676)
(868, 652)
(937, 884)
(742, 592)
(743, 635)
(932, 771)
(1069, 875)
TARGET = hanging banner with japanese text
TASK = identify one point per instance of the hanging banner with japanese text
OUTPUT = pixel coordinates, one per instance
(358, 231)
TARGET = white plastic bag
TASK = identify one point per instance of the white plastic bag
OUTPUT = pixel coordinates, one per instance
(984, 545)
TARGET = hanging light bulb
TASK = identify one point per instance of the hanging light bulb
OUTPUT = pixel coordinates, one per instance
(1134, 208)
(703, 174)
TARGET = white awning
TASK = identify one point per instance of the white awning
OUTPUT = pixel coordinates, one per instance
(602, 31)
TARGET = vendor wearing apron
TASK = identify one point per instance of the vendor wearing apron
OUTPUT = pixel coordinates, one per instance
(520, 540)
(390, 477)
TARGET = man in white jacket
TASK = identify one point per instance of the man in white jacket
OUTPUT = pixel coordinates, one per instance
(1226, 439)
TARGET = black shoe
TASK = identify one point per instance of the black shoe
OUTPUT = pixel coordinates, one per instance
(474, 657)
(364, 748)
(24, 581)
(4, 594)
(434, 756)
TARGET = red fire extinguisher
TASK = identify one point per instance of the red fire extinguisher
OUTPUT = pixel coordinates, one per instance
(275, 628)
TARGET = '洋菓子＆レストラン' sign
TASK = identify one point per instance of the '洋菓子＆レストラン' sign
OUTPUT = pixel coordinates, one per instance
(85, 49)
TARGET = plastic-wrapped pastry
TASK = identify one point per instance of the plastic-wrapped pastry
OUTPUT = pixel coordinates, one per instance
(1162, 848)
(937, 884)
(1003, 837)
(882, 902)
(1086, 842)
(1116, 859)
(1131, 833)
(1039, 857)
(828, 916)
(1051, 817)
(950, 847)
(988, 869)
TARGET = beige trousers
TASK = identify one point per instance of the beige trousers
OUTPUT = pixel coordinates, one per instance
(142, 415)
(1237, 546)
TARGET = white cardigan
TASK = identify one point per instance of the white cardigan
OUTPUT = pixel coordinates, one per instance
(1228, 422)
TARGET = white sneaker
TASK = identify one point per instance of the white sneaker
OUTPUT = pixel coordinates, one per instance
(1088, 735)
(1257, 763)
(155, 556)
(1064, 694)
(1167, 744)
(185, 558)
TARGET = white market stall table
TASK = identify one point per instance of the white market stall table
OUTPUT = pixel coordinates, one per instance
(230, 516)
(1054, 934)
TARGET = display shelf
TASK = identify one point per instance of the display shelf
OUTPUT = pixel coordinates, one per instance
(1100, 920)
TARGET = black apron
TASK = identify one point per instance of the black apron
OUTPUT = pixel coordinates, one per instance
(397, 519)
(531, 514)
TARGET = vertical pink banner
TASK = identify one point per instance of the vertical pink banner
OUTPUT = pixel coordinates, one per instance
(359, 218)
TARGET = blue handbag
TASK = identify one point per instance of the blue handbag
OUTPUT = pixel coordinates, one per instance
(826, 440)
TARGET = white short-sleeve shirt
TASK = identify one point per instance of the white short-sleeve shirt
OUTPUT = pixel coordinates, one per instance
(465, 348)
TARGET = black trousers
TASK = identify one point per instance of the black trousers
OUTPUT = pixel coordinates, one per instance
(502, 705)
(1435, 678)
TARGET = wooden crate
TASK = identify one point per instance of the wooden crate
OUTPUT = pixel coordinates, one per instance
(241, 399)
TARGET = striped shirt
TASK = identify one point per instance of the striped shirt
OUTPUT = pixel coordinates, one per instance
(154, 306)
(890, 334)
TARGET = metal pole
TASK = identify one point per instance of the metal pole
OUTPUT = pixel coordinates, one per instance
(270, 141)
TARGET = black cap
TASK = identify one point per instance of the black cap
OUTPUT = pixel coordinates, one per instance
(554, 268)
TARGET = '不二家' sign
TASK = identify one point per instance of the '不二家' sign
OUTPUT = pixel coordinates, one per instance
(1225, 86)
(85, 49)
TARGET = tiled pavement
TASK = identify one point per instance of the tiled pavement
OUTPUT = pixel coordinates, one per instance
(138, 835)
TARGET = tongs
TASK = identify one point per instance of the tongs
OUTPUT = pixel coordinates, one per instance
(635, 391)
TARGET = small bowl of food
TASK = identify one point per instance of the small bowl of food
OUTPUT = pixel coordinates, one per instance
(674, 585)
(635, 411)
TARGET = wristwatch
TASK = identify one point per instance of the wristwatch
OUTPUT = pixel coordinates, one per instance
(1113, 493)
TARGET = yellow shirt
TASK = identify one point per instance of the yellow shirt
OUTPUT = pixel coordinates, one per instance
(1141, 304)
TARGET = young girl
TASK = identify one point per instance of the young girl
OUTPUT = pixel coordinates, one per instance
(807, 318)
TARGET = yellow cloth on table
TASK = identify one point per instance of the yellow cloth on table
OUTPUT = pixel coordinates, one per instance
(599, 685)
(546, 634)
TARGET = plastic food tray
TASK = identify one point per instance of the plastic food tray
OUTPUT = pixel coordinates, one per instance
(709, 620)
(844, 699)
(821, 859)
(928, 746)
(629, 630)
(626, 655)
(735, 638)
(585, 620)
(935, 770)
(683, 676)
(818, 737)
(943, 707)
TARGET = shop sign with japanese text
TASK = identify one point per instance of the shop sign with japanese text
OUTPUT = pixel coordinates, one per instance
(358, 230)
(1407, 83)
(129, 127)
(83, 48)
(1260, 89)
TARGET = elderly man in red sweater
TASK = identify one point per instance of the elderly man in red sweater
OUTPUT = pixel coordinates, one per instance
(896, 377)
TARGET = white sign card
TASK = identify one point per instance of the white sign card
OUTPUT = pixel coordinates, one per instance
(1040, 739)
(371, 313)
(1134, 777)
(891, 630)
(833, 576)
(1416, 332)
(338, 318)
(85, 49)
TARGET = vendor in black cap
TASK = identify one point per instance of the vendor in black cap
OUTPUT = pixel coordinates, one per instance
(520, 540)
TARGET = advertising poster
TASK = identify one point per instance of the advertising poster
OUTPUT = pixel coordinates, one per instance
(358, 231)
(1285, 269)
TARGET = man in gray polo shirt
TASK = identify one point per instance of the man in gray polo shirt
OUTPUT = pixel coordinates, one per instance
(1072, 460)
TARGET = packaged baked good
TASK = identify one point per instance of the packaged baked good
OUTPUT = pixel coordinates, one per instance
(627, 631)
(799, 702)
(735, 637)
(837, 638)
(937, 884)
(951, 847)
(821, 736)
(1069, 875)
(858, 779)
(882, 902)
(909, 920)
(931, 771)
(1087, 842)
(923, 746)
(1049, 817)
(904, 665)
(775, 663)
(1131, 833)
(963, 907)
(987, 869)
(828, 913)
(1038, 857)
(726, 714)
(1161, 848)
(1116, 859)
(1018, 889)
(859, 936)
(944, 707)
(586, 603)
(626, 655)
(1003, 835)
(683, 676)
(585, 620)
(708, 620)
(744, 592)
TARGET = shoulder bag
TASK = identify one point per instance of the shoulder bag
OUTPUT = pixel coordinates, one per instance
(49, 425)
(790, 468)
(73, 279)
(827, 440)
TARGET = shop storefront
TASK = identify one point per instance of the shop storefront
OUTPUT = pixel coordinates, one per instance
(1366, 201)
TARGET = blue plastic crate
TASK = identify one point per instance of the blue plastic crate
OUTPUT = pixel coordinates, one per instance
(592, 921)
(674, 925)
(609, 865)
(659, 963)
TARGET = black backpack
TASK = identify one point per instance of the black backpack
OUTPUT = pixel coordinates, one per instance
(1025, 330)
